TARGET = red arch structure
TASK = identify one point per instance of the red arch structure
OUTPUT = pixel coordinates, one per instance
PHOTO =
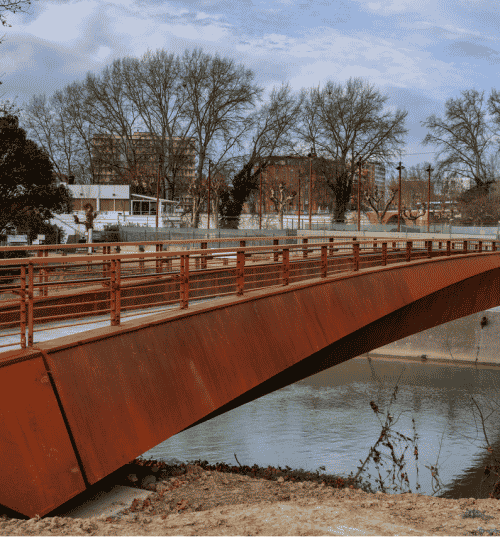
(77, 408)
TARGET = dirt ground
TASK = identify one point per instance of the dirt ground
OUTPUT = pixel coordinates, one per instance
(204, 502)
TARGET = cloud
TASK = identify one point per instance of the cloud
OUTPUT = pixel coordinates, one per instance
(466, 49)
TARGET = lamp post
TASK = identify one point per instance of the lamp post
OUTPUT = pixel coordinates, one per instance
(260, 199)
(298, 225)
(359, 194)
(209, 180)
(429, 170)
(160, 165)
(311, 155)
(400, 167)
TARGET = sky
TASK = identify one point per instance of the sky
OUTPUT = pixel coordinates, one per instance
(418, 52)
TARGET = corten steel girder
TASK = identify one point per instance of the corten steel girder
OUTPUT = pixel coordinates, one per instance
(113, 393)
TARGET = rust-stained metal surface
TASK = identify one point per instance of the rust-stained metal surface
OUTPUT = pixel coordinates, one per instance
(125, 388)
(128, 388)
(39, 470)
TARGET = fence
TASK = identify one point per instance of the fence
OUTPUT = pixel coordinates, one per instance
(138, 234)
(138, 284)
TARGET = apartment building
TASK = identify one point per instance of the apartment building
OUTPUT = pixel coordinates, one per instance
(295, 171)
(372, 175)
(113, 158)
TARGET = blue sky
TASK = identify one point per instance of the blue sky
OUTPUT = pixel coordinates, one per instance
(419, 52)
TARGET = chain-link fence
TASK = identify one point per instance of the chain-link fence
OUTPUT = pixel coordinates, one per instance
(493, 231)
(137, 234)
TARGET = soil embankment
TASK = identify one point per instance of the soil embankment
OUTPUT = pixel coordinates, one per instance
(199, 500)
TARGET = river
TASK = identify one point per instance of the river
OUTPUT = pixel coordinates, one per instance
(326, 421)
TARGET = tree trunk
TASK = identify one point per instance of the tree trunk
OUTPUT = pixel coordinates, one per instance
(339, 212)
(195, 221)
(215, 211)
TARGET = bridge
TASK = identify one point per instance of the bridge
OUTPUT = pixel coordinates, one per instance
(190, 334)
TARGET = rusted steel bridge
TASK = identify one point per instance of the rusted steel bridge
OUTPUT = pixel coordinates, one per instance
(196, 332)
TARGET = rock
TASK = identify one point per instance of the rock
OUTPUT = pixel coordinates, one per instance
(148, 480)
(132, 477)
(281, 480)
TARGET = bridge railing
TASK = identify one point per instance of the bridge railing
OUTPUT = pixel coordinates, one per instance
(44, 293)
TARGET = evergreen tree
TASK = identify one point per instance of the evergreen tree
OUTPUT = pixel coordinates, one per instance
(27, 182)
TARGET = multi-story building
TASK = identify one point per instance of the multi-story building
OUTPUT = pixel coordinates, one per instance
(373, 175)
(296, 172)
(114, 157)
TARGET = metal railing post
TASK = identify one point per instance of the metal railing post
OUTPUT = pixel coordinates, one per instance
(105, 265)
(169, 263)
(304, 250)
(276, 253)
(448, 247)
(158, 262)
(240, 272)
(39, 253)
(141, 262)
(465, 247)
(384, 254)
(286, 266)
(46, 276)
(30, 304)
(429, 249)
(480, 246)
(409, 246)
(184, 287)
(118, 291)
(112, 292)
(355, 251)
(324, 261)
(22, 298)
(204, 257)
(331, 247)
(494, 246)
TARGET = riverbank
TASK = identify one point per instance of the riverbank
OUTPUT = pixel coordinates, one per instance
(201, 501)
(474, 339)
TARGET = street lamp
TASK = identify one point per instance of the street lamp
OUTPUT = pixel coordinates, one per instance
(429, 170)
(260, 199)
(359, 195)
(209, 180)
(311, 155)
(400, 167)
(298, 225)
(160, 165)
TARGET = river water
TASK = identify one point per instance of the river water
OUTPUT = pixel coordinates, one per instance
(326, 421)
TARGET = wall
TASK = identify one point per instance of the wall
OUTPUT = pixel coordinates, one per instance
(463, 340)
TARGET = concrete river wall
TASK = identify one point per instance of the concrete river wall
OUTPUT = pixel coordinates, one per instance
(465, 340)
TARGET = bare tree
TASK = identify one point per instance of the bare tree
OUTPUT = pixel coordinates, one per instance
(13, 6)
(47, 123)
(348, 123)
(465, 138)
(413, 214)
(478, 206)
(76, 107)
(376, 201)
(269, 132)
(219, 97)
(281, 200)
(154, 84)
(114, 118)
